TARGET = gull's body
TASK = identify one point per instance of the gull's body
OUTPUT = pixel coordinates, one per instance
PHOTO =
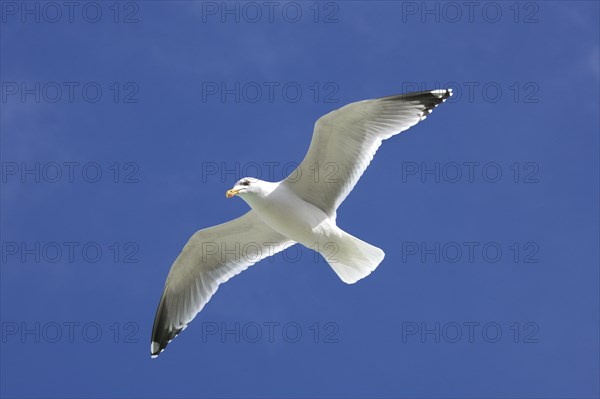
(291, 216)
(301, 209)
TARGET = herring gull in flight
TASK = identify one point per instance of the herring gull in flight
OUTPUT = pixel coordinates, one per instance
(299, 209)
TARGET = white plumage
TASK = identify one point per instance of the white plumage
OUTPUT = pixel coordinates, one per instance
(300, 209)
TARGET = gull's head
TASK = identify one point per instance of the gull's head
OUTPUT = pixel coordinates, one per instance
(247, 185)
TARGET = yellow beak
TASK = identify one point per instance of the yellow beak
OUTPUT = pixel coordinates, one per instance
(231, 193)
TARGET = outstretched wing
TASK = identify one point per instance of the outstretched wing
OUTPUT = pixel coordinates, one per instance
(345, 140)
(211, 257)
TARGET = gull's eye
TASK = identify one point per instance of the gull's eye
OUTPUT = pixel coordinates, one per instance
(245, 183)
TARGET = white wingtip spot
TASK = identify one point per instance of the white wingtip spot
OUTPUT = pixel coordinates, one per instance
(440, 93)
(154, 346)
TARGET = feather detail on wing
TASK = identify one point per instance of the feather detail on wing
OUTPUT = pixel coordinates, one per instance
(211, 257)
(345, 140)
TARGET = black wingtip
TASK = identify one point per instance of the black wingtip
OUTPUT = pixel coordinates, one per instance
(433, 99)
(427, 99)
(162, 332)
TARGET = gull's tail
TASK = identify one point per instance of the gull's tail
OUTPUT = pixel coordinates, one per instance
(352, 259)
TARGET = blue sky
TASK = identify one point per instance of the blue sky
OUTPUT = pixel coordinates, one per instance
(133, 123)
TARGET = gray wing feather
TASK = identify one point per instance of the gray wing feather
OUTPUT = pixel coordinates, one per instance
(211, 257)
(345, 141)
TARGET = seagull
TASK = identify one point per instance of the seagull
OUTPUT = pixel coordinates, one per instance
(299, 209)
